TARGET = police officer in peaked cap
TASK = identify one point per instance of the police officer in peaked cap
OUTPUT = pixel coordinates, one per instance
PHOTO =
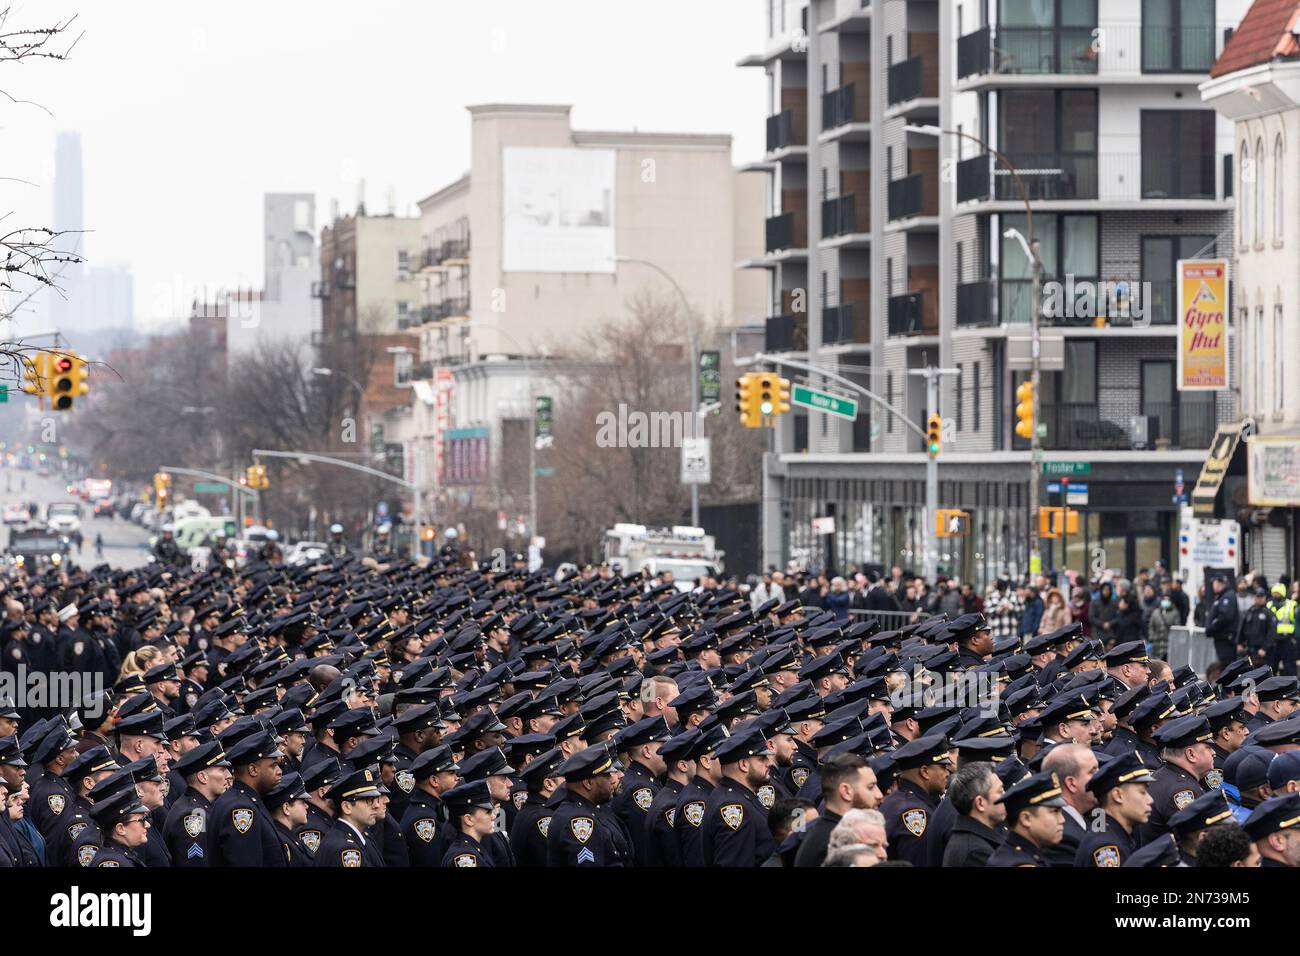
(582, 831)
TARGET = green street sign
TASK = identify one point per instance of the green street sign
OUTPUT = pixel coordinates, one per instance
(210, 488)
(4, 393)
(1067, 467)
(544, 472)
(823, 402)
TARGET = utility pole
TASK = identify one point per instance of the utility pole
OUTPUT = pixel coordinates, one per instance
(1035, 374)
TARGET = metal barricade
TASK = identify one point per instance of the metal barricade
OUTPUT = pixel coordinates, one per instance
(1190, 646)
(889, 620)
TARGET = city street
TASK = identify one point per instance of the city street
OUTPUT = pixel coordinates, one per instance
(126, 545)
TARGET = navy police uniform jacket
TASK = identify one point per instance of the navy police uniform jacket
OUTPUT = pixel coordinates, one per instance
(318, 824)
(1172, 789)
(908, 811)
(466, 851)
(185, 830)
(1110, 847)
(632, 806)
(529, 831)
(735, 827)
(241, 832)
(341, 846)
(113, 854)
(50, 797)
(422, 826)
(583, 834)
(661, 840)
(1017, 851)
(688, 820)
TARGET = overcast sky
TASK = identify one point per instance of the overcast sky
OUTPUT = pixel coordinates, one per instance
(190, 112)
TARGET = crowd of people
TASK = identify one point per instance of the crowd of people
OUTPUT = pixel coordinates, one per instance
(1260, 621)
(359, 712)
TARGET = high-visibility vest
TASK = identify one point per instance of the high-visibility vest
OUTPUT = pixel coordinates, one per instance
(1285, 614)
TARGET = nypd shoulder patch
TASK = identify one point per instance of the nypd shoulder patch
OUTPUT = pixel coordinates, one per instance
(1214, 778)
(767, 796)
(465, 859)
(694, 813)
(310, 839)
(1184, 797)
(544, 825)
(86, 854)
(799, 775)
(56, 803)
(643, 797)
(1106, 855)
(582, 828)
(916, 821)
(193, 823)
(242, 819)
(406, 780)
(350, 857)
(733, 815)
(519, 799)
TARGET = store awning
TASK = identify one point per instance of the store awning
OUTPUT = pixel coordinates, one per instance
(1227, 440)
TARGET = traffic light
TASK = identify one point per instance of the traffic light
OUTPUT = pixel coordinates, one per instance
(66, 379)
(1025, 409)
(1054, 522)
(766, 394)
(782, 395)
(34, 373)
(951, 523)
(255, 477)
(747, 400)
(162, 489)
(933, 434)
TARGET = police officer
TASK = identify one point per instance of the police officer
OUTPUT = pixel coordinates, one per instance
(241, 832)
(639, 743)
(286, 803)
(662, 847)
(688, 814)
(473, 813)
(317, 779)
(167, 551)
(533, 821)
(735, 831)
(1221, 621)
(1227, 720)
(51, 794)
(923, 767)
(1121, 788)
(582, 831)
(207, 775)
(1035, 821)
(1274, 825)
(433, 773)
(337, 547)
(1283, 660)
(1259, 630)
(83, 774)
(1188, 757)
(356, 798)
(1190, 823)
(124, 821)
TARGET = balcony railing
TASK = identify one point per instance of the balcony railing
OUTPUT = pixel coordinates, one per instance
(973, 180)
(1050, 176)
(455, 249)
(1082, 427)
(975, 304)
(845, 324)
(905, 314)
(1175, 175)
(420, 372)
(450, 307)
(906, 197)
(838, 107)
(840, 217)
(906, 80)
(786, 333)
(780, 130)
(1092, 302)
(780, 232)
(1128, 50)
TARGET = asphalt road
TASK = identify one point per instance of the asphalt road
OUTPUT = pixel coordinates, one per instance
(126, 545)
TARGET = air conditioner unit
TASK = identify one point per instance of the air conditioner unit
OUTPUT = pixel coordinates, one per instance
(1143, 430)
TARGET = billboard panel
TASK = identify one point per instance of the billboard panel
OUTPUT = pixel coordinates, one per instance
(1202, 325)
(557, 210)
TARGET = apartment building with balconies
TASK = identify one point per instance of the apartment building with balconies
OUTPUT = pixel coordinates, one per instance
(1092, 106)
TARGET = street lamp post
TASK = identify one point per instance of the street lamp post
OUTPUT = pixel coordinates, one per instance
(695, 365)
(1031, 249)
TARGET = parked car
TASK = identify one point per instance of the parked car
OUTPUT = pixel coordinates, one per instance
(104, 509)
(305, 552)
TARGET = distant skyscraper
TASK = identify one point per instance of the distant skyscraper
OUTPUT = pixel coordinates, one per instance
(90, 297)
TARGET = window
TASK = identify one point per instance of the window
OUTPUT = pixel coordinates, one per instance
(1159, 263)
(1178, 154)
(1257, 370)
(1050, 129)
(1243, 380)
(1068, 245)
(1277, 357)
(1259, 192)
(1277, 190)
(1177, 36)
(1243, 197)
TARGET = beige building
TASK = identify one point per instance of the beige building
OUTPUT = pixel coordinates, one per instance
(523, 255)
(1256, 84)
